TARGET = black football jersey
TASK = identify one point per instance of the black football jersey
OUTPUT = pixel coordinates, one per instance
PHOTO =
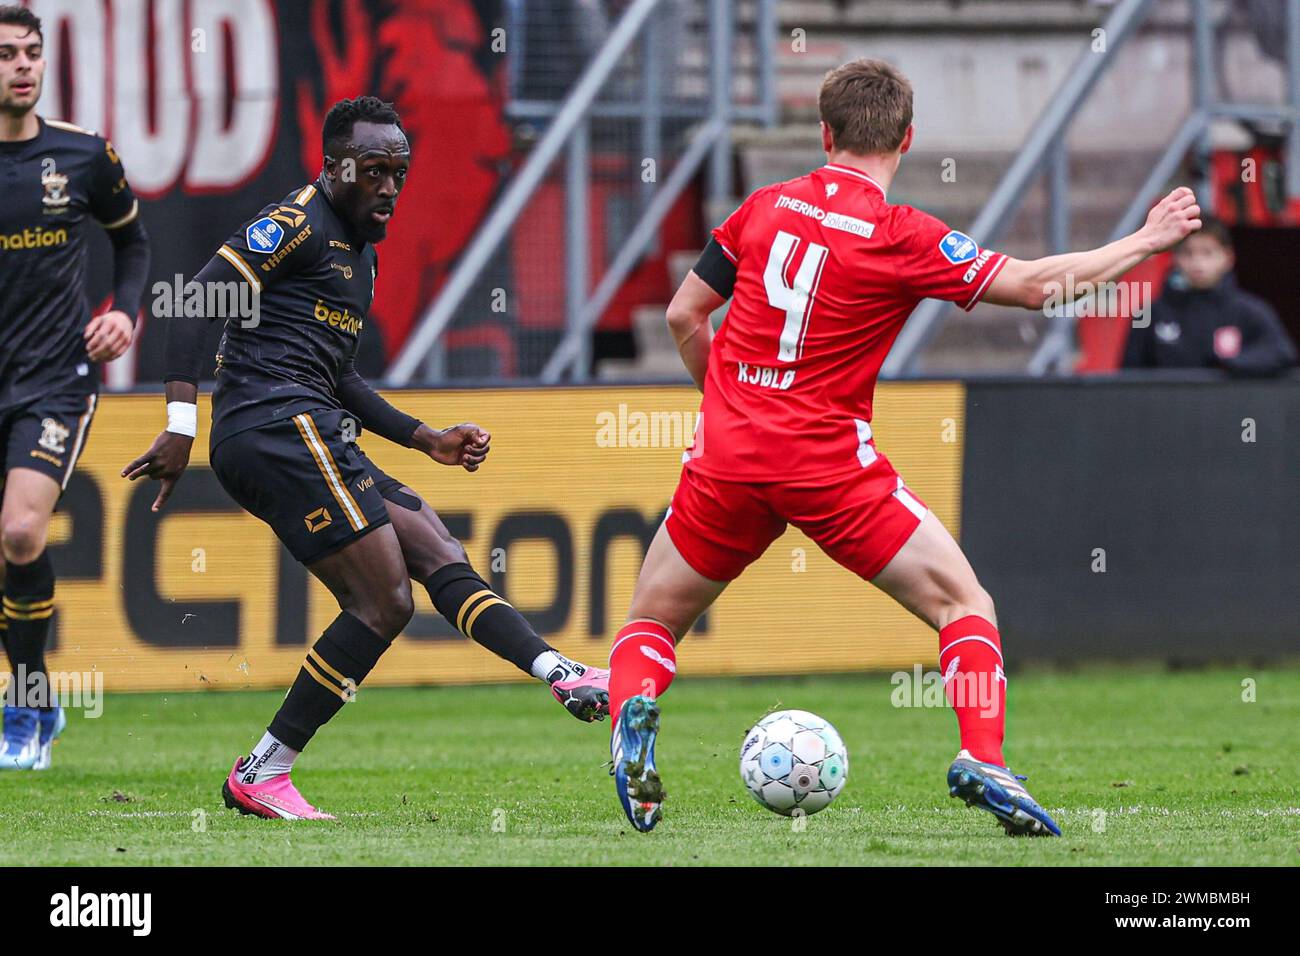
(54, 188)
(314, 282)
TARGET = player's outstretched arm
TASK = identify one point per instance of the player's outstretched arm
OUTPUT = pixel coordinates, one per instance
(1031, 283)
(377, 415)
(464, 445)
(688, 319)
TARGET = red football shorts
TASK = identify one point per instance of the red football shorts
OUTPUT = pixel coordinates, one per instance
(860, 520)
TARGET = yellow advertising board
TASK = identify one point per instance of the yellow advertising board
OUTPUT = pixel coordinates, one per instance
(202, 595)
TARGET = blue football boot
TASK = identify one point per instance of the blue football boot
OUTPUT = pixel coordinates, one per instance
(22, 739)
(633, 750)
(998, 790)
(51, 723)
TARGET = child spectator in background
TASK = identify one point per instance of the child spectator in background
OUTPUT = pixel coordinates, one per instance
(1203, 320)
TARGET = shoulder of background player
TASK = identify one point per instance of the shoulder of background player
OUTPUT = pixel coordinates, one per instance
(78, 139)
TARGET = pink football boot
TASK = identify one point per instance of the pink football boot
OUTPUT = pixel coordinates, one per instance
(585, 697)
(273, 799)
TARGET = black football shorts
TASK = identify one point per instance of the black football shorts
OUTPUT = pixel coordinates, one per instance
(47, 435)
(316, 489)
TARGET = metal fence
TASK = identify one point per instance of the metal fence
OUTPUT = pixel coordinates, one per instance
(615, 107)
(1044, 153)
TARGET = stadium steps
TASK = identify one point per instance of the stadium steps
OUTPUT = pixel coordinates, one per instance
(990, 15)
(990, 339)
(1103, 177)
(656, 352)
(811, 35)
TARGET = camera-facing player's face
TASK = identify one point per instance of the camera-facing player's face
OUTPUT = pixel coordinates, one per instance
(22, 68)
(366, 180)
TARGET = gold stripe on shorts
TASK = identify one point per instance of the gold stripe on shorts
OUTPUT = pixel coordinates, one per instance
(325, 462)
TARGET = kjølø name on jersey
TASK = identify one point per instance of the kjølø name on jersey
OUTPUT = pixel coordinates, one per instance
(764, 376)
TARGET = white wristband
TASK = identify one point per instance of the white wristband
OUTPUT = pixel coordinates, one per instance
(183, 418)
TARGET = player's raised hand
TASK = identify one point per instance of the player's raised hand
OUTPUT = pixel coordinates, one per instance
(465, 445)
(108, 336)
(165, 461)
(1173, 219)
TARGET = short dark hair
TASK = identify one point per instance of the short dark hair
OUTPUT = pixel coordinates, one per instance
(14, 15)
(345, 114)
(867, 104)
(1215, 229)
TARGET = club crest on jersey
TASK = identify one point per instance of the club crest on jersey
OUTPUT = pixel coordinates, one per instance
(265, 235)
(957, 247)
(56, 192)
(832, 189)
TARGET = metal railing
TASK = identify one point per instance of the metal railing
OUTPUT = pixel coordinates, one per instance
(1044, 151)
(658, 93)
(1045, 142)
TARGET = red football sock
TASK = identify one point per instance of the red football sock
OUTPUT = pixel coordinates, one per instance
(642, 661)
(970, 659)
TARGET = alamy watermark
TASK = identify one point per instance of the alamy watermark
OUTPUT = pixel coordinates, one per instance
(634, 428)
(76, 908)
(72, 690)
(1101, 299)
(918, 688)
(206, 300)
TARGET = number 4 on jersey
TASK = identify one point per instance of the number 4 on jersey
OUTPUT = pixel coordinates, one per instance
(795, 300)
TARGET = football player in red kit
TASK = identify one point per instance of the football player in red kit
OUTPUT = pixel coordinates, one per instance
(822, 272)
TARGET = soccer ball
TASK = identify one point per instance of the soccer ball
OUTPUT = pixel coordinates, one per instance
(792, 760)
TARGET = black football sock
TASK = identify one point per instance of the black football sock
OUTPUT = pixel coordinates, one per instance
(329, 677)
(4, 645)
(28, 606)
(474, 609)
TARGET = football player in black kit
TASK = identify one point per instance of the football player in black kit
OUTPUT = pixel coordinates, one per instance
(57, 181)
(285, 409)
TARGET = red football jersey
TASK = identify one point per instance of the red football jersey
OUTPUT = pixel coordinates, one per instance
(827, 272)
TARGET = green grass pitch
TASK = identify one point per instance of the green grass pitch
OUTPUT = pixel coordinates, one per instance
(1142, 766)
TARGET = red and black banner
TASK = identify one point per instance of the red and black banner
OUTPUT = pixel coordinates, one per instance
(216, 106)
